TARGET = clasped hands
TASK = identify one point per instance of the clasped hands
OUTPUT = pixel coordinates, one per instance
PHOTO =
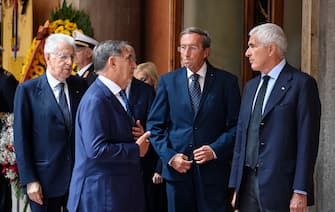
(182, 164)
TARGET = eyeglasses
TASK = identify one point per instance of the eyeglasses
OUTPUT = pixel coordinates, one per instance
(184, 48)
(64, 57)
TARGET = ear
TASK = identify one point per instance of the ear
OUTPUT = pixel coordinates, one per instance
(207, 51)
(47, 57)
(272, 49)
(111, 62)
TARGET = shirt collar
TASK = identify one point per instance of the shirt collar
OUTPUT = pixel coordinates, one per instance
(83, 70)
(274, 73)
(112, 86)
(201, 71)
(53, 82)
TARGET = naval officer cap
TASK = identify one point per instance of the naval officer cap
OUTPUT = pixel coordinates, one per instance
(82, 40)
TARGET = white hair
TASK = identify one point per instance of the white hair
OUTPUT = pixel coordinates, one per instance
(52, 42)
(271, 33)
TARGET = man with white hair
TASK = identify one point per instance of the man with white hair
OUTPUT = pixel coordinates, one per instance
(278, 130)
(44, 110)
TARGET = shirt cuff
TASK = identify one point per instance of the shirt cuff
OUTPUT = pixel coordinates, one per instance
(170, 161)
(300, 192)
(215, 157)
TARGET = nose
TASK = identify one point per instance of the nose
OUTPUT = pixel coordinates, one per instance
(247, 52)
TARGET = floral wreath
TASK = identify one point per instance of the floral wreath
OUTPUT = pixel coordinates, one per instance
(63, 20)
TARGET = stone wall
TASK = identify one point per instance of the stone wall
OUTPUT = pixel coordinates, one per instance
(325, 168)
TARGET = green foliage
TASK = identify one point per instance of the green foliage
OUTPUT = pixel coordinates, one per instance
(75, 16)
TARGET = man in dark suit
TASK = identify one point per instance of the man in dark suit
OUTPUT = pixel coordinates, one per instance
(44, 110)
(193, 122)
(141, 95)
(83, 56)
(8, 84)
(107, 172)
(278, 130)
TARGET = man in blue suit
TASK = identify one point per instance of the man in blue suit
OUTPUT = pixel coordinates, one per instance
(193, 122)
(107, 172)
(44, 128)
(277, 138)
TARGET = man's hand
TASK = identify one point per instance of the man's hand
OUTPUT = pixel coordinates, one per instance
(34, 191)
(181, 163)
(157, 178)
(137, 130)
(143, 143)
(298, 203)
(203, 154)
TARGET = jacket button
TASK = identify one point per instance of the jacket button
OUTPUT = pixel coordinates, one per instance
(190, 145)
(262, 123)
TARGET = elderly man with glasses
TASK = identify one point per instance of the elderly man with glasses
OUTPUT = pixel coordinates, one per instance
(44, 110)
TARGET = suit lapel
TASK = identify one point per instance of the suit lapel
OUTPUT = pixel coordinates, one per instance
(133, 92)
(249, 96)
(48, 98)
(181, 79)
(279, 90)
(209, 81)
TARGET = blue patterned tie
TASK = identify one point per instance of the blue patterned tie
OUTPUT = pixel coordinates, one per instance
(62, 101)
(126, 102)
(195, 92)
(253, 129)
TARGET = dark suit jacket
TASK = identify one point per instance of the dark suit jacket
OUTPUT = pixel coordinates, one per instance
(43, 144)
(289, 138)
(141, 96)
(106, 176)
(176, 129)
(8, 84)
(90, 75)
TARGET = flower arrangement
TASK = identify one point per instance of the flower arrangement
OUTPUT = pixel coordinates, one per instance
(63, 20)
(7, 155)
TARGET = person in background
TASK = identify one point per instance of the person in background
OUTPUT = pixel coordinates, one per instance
(83, 56)
(8, 85)
(44, 111)
(147, 72)
(193, 121)
(154, 185)
(278, 130)
(107, 172)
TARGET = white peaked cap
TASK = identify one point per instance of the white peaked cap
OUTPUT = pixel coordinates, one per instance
(83, 40)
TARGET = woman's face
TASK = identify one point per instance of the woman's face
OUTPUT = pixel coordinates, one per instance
(141, 75)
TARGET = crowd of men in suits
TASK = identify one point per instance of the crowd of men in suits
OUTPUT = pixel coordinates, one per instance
(79, 140)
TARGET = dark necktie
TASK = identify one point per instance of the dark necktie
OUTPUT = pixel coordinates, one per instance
(253, 129)
(63, 105)
(195, 92)
(126, 102)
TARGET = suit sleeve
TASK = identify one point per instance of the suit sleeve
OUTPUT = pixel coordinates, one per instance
(23, 135)
(98, 129)
(308, 127)
(224, 145)
(158, 122)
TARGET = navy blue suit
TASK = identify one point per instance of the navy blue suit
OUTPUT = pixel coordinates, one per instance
(141, 96)
(44, 145)
(107, 172)
(176, 129)
(289, 138)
